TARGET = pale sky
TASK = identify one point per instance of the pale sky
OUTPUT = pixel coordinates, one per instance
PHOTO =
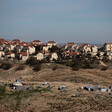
(59, 20)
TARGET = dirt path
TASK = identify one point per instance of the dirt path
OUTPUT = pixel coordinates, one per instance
(102, 63)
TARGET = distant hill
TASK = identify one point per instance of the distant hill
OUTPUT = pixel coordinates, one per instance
(98, 45)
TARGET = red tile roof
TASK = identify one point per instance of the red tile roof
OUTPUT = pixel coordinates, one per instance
(3, 41)
(8, 53)
(9, 43)
(53, 53)
(93, 46)
(73, 53)
(51, 42)
(16, 40)
(36, 41)
(20, 44)
(24, 43)
(30, 45)
(83, 45)
(35, 44)
(23, 53)
(71, 43)
(42, 44)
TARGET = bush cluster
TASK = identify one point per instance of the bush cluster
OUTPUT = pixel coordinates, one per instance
(82, 62)
(37, 67)
(105, 60)
(104, 68)
(75, 64)
(6, 66)
(54, 67)
(70, 63)
(87, 64)
(20, 67)
(34, 63)
(2, 90)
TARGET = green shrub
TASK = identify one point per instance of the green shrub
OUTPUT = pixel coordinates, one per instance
(70, 63)
(105, 59)
(54, 67)
(104, 68)
(87, 64)
(2, 90)
(76, 68)
(54, 49)
(1, 66)
(32, 61)
(20, 67)
(6, 66)
(37, 67)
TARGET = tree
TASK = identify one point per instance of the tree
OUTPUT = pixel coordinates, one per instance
(37, 67)
(38, 49)
(87, 64)
(16, 55)
(32, 61)
(54, 49)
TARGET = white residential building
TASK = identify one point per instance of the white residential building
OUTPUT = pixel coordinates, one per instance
(54, 56)
(9, 47)
(10, 55)
(85, 48)
(94, 50)
(2, 54)
(40, 56)
(29, 49)
(51, 43)
(108, 47)
(23, 56)
(36, 42)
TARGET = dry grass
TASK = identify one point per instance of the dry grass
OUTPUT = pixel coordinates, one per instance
(56, 101)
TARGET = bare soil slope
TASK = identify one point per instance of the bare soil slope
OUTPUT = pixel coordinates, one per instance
(56, 101)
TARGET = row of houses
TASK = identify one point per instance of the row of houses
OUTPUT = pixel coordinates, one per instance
(85, 48)
(94, 51)
(23, 50)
